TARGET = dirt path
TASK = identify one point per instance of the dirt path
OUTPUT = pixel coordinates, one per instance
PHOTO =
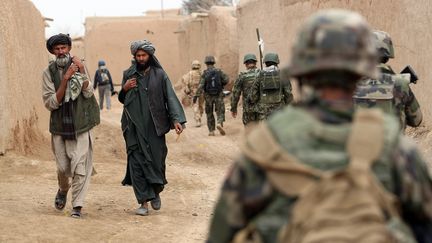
(196, 166)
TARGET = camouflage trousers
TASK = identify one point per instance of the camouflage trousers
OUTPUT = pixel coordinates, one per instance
(214, 103)
(249, 116)
(266, 110)
(198, 109)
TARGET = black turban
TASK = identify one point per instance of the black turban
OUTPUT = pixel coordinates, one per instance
(60, 39)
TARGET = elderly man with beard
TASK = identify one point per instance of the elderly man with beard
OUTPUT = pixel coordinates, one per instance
(68, 95)
(151, 109)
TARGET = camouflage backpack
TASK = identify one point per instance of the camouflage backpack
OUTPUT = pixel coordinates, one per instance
(385, 93)
(373, 93)
(270, 86)
(249, 77)
(348, 205)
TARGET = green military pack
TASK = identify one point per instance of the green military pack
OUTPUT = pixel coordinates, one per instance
(249, 78)
(376, 93)
(386, 93)
(270, 86)
(335, 195)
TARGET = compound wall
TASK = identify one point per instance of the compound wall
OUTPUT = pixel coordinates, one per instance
(23, 58)
(213, 33)
(407, 21)
(109, 39)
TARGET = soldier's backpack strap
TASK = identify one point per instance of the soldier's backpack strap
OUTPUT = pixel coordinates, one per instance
(262, 148)
(365, 145)
(366, 139)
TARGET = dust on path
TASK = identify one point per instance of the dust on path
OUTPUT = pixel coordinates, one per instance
(196, 166)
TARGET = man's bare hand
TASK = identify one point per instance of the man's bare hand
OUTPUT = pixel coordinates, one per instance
(130, 83)
(71, 70)
(178, 128)
(77, 61)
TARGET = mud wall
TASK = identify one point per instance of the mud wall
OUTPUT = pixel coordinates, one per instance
(78, 47)
(109, 39)
(214, 34)
(407, 21)
(22, 60)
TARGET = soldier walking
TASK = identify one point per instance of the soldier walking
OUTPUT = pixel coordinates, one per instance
(191, 80)
(390, 92)
(269, 93)
(242, 86)
(212, 82)
(318, 171)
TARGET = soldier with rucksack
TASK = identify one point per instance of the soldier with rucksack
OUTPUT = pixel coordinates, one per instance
(103, 81)
(242, 86)
(212, 83)
(269, 93)
(390, 92)
(319, 172)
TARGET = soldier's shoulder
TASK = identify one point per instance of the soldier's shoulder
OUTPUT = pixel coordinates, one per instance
(293, 120)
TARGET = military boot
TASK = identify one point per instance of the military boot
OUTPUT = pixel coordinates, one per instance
(212, 133)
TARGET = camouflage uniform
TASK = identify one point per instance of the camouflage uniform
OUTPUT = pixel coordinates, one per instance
(191, 81)
(242, 87)
(391, 92)
(213, 102)
(315, 133)
(283, 95)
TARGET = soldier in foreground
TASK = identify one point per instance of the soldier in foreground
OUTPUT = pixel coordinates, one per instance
(269, 93)
(317, 171)
(212, 82)
(191, 81)
(242, 86)
(390, 92)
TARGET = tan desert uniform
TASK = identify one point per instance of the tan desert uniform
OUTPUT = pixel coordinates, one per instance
(73, 157)
(191, 82)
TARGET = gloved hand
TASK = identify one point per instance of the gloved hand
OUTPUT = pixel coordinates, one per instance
(194, 100)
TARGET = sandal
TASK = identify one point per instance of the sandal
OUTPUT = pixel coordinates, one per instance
(76, 213)
(60, 200)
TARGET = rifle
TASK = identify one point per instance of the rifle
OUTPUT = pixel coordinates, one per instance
(259, 47)
(413, 75)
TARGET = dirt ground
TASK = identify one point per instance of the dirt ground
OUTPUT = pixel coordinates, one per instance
(196, 166)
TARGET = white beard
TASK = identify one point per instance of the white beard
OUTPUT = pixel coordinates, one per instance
(62, 61)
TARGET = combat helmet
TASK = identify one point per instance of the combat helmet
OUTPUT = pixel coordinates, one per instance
(196, 64)
(249, 57)
(383, 44)
(334, 39)
(271, 57)
(209, 60)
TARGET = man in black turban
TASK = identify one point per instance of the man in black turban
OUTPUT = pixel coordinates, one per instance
(151, 109)
(68, 95)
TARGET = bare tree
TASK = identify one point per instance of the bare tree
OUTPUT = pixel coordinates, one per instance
(191, 6)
